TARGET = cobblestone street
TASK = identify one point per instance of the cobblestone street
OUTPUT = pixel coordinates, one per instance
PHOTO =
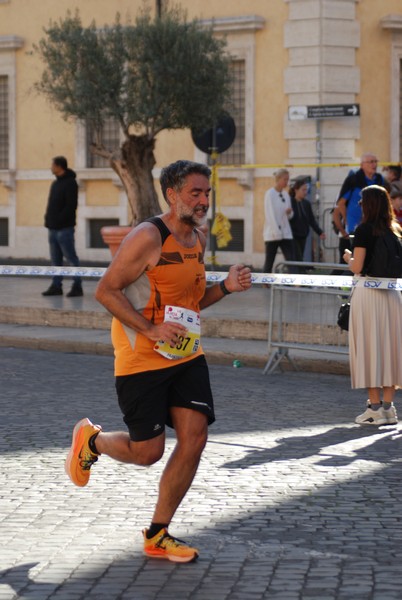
(291, 501)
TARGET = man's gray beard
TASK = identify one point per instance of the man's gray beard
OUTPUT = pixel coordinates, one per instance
(192, 220)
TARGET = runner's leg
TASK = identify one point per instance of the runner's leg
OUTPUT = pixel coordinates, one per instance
(192, 431)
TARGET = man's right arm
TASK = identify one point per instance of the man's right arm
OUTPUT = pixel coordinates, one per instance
(138, 252)
(339, 216)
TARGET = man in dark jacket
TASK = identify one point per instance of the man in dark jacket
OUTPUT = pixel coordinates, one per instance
(60, 221)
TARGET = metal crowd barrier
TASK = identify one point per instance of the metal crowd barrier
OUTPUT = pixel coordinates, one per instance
(304, 317)
(304, 302)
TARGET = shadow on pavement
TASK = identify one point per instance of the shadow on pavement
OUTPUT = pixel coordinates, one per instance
(291, 499)
(303, 446)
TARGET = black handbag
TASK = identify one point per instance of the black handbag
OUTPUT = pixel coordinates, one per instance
(343, 313)
(343, 316)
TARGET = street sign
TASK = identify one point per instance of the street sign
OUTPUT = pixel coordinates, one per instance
(325, 111)
(222, 136)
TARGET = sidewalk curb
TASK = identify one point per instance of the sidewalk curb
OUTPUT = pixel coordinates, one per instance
(216, 357)
(54, 317)
(73, 346)
(90, 319)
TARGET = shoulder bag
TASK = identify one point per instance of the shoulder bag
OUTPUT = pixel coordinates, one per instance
(343, 314)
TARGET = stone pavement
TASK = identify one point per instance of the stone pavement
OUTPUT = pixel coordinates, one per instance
(292, 501)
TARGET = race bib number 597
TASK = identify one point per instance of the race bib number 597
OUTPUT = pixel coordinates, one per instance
(188, 343)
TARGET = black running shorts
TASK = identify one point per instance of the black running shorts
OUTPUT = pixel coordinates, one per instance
(145, 398)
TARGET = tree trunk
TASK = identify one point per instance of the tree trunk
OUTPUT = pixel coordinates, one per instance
(135, 171)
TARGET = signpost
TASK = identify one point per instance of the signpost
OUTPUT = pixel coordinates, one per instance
(214, 141)
(324, 111)
(320, 112)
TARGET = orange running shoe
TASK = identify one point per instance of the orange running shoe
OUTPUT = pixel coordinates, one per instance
(163, 545)
(80, 458)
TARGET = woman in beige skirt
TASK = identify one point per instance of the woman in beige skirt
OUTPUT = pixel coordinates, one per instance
(375, 323)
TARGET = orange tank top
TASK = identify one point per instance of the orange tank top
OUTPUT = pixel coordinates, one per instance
(178, 280)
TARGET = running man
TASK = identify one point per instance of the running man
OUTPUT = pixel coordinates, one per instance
(155, 288)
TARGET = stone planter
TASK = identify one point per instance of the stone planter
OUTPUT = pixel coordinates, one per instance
(113, 235)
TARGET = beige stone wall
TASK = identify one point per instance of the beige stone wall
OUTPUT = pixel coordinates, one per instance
(304, 51)
(374, 61)
(270, 102)
(173, 145)
(230, 193)
(101, 193)
(32, 199)
(3, 196)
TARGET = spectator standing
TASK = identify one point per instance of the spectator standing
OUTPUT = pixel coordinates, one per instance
(396, 200)
(278, 210)
(303, 218)
(60, 221)
(347, 213)
(391, 173)
(375, 323)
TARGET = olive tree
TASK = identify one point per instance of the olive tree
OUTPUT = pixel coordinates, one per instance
(156, 73)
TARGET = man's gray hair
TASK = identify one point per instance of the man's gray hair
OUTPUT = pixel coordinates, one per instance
(174, 175)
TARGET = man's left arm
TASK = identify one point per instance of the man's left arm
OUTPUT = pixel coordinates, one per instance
(238, 280)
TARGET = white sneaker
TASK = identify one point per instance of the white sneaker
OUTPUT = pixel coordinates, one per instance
(390, 415)
(372, 417)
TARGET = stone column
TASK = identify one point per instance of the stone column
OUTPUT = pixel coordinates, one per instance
(322, 37)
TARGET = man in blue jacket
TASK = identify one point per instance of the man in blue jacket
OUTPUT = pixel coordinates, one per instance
(60, 221)
(348, 213)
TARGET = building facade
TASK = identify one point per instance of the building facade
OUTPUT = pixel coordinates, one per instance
(287, 56)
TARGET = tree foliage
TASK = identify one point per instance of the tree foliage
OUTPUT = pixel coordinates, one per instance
(157, 73)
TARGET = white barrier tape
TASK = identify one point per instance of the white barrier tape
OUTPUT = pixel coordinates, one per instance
(52, 271)
(325, 281)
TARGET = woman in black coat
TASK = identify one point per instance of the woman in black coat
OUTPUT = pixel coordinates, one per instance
(303, 217)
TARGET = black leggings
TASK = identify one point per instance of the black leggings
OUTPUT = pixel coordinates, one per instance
(271, 248)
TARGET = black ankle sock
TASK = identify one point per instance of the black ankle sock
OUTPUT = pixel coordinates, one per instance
(154, 529)
(91, 444)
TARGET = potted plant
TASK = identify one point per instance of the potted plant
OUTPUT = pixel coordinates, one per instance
(162, 72)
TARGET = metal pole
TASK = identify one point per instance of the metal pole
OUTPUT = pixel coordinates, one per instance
(159, 8)
(318, 177)
(212, 238)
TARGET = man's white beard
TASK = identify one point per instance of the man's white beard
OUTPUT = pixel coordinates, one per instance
(189, 216)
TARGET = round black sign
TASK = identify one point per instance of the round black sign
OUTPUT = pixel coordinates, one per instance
(224, 133)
